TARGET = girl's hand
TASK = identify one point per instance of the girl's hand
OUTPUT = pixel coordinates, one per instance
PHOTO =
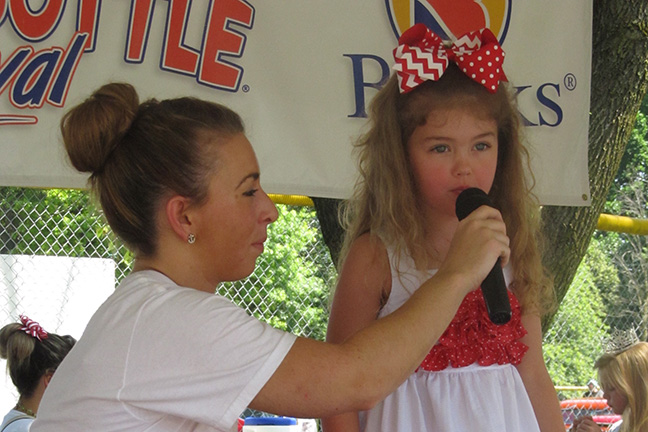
(479, 240)
(585, 424)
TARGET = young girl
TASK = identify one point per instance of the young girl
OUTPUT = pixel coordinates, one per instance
(432, 137)
(624, 379)
(179, 183)
(32, 356)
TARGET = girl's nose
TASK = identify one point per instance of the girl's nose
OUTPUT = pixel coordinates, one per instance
(461, 166)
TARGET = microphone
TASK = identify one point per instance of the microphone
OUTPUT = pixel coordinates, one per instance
(494, 286)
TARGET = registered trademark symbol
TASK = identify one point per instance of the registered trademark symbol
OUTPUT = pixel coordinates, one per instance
(570, 81)
(245, 88)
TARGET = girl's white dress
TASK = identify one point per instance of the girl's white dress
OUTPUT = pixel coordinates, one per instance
(468, 381)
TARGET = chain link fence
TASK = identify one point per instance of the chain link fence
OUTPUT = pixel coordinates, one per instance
(59, 261)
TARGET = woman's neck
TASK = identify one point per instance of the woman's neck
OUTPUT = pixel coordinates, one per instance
(28, 406)
(181, 272)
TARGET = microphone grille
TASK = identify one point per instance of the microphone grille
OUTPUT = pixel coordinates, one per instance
(469, 200)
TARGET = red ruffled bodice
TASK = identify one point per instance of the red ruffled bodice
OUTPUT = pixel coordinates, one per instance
(472, 337)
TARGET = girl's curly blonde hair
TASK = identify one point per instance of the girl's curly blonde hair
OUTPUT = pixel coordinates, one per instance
(385, 202)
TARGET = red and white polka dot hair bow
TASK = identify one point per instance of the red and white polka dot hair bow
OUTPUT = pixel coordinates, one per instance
(32, 328)
(421, 56)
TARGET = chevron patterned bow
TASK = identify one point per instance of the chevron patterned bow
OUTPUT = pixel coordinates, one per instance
(421, 56)
(32, 328)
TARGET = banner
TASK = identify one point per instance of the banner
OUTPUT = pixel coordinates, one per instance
(301, 74)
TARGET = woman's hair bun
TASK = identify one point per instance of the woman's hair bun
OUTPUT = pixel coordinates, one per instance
(15, 345)
(92, 129)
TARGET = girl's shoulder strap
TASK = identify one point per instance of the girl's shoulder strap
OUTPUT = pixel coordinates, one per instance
(15, 419)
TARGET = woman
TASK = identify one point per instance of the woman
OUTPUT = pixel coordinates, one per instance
(179, 183)
(32, 356)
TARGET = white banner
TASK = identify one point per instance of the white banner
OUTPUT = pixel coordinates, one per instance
(301, 74)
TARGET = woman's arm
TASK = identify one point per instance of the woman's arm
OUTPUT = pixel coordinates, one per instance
(536, 379)
(321, 379)
(365, 279)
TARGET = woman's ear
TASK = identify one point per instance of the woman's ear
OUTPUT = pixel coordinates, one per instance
(177, 216)
(47, 377)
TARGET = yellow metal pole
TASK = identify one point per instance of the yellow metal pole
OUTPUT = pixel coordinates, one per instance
(296, 200)
(606, 222)
(622, 224)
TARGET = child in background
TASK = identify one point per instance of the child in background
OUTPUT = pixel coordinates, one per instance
(32, 356)
(623, 375)
(443, 124)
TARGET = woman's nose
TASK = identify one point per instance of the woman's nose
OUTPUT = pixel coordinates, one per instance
(270, 213)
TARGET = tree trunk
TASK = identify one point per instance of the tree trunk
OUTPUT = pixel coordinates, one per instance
(619, 84)
(333, 233)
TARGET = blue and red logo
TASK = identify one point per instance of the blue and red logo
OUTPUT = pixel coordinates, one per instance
(451, 19)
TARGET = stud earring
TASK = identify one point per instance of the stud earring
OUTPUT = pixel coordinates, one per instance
(191, 239)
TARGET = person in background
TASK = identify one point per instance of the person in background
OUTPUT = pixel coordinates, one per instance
(179, 183)
(623, 374)
(593, 390)
(32, 355)
(443, 123)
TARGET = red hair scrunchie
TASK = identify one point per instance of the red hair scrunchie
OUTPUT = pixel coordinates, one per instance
(32, 328)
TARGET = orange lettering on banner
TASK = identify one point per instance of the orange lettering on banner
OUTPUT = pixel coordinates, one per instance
(35, 26)
(3, 10)
(88, 21)
(140, 24)
(221, 40)
(175, 56)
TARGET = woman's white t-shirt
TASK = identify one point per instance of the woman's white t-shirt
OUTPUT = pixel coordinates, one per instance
(160, 357)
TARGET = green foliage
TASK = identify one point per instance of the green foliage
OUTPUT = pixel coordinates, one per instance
(574, 341)
(290, 286)
(57, 222)
(608, 290)
(628, 304)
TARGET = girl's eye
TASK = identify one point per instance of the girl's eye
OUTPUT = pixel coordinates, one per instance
(250, 192)
(482, 146)
(441, 148)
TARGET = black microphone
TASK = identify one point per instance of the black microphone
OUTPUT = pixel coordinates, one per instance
(494, 286)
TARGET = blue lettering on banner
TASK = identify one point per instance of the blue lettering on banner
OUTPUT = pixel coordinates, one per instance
(42, 76)
(546, 94)
(549, 103)
(32, 82)
(359, 83)
(543, 98)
